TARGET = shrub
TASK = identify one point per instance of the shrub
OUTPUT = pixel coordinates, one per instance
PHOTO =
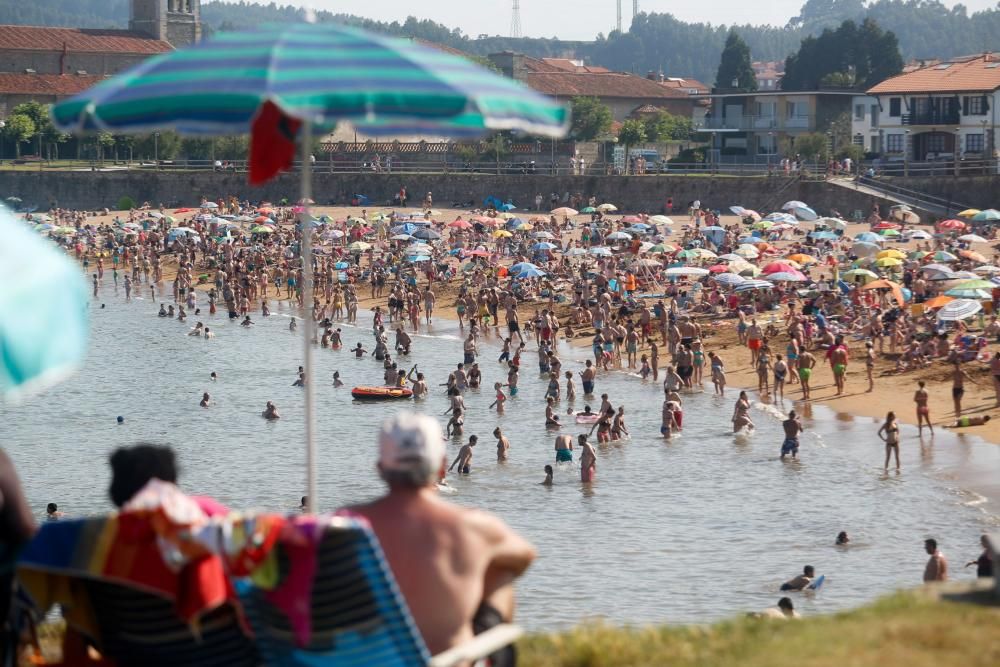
(125, 203)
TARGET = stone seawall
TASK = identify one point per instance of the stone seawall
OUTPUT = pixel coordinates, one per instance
(93, 190)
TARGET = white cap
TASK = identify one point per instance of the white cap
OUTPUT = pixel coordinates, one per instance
(409, 440)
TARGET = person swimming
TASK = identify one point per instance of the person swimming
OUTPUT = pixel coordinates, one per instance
(336, 379)
(270, 412)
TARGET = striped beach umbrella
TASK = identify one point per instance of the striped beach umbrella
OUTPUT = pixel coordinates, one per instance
(959, 309)
(321, 73)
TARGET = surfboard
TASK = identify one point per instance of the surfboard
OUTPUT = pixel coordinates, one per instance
(817, 583)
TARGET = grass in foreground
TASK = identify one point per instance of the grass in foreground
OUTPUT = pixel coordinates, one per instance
(903, 630)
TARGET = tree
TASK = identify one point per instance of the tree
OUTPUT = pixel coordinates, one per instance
(591, 118)
(666, 126)
(20, 128)
(631, 133)
(103, 141)
(813, 146)
(850, 56)
(165, 147)
(734, 65)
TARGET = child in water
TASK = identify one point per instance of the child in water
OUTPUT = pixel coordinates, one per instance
(501, 397)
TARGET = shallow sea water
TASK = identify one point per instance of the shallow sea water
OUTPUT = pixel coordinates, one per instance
(693, 529)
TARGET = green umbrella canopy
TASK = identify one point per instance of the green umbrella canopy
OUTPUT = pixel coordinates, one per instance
(320, 73)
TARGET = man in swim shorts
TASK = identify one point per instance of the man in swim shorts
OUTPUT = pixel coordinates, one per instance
(806, 363)
(464, 458)
(754, 341)
(564, 448)
(587, 378)
(793, 427)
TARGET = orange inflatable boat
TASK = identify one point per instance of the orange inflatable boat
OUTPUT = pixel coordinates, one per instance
(381, 393)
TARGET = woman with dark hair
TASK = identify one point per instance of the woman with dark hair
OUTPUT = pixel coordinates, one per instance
(132, 468)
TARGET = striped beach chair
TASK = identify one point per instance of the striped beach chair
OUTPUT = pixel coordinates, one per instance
(357, 615)
(130, 620)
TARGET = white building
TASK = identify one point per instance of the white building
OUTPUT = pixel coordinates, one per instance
(937, 113)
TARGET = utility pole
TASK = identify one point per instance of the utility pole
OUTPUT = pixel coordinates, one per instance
(515, 20)
(635, 8)
(619, 15)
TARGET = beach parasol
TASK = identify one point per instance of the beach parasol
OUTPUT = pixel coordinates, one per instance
(918, 234)
(823, 236)
(987, 270)
(793, 204)
(893, 253)
(607, 208)
(783, 265)
(972, 238)
(753, 285)
(501, 234)
(894, 287)
(888, 262)
(426, 234)
(600, 250)
(564, 210)
(43, 311)
(973, 293)
(544, 245)
(786, 276)
(460, 224)
(805, 213)
(989, 215)
(542, 235)
(359, 246)
(692, 271)
(972, 255)
(959, 309)
(661, 220)
(938, 302)
(864, 274)
(588, 209)
(868, 237)
(781, 217)
(802, 259)
(968, 213)
(951, 225)
(729, 279)
(943, 256)
(619, 236)
(747, 251)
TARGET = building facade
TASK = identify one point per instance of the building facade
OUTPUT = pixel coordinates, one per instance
(942, 112)
(46, 64)
(621, 92)
(759, 124)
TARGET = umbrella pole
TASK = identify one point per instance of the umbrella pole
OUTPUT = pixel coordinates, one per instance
(312, 501)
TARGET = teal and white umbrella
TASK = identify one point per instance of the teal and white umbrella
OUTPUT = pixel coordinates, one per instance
(43, 311)
(299, 77)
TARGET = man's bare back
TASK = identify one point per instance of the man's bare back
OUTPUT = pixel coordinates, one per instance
(446, 559)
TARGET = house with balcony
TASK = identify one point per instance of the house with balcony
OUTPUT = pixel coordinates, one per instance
(944, 111)
(759, 124)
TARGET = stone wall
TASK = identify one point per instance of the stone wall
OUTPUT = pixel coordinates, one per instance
(92, 190)
(975, 191)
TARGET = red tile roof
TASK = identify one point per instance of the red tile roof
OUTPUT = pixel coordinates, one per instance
(45, 84)
(970, 74)
(686, 85)
(35, 38)
(600, 84)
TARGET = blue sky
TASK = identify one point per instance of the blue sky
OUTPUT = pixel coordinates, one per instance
(570, 19)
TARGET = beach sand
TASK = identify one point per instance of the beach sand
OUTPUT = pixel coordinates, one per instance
(892, 391)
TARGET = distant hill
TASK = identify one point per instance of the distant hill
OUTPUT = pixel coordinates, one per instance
(659, 42)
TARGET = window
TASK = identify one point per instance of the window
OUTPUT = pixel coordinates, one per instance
(859, 140)
(975, 105)
(798, 109)
(934, 143)
(974, 143)
(895, 106)
(874, 111)
(873, 145)
(859, 112)
(894, 143)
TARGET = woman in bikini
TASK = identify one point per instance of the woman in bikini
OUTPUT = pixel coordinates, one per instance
(890, 436)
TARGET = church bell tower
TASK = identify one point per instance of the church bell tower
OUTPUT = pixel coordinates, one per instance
(175, 21)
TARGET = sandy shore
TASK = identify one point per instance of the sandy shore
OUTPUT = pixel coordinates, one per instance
(892, 391)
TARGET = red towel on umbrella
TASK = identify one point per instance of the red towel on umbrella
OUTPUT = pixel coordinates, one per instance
(272, 143)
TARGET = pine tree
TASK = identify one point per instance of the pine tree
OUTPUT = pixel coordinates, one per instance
(734, 67)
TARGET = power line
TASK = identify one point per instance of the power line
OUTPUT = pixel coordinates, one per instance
(515, 20)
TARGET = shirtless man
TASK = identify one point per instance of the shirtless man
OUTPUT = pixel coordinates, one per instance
(754, 341)
(806, 364)
(429, 301)
(838, 363)
(793, 427)
(937, 565)
(270, 412)
(464, 458)
(958, 378)
(564, 448)
(587, 376)
(419, 386)
(453, 565)
(920, 397)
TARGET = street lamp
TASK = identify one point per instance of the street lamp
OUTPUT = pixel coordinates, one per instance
(957, 148)
(3, 124)
(156, 149)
